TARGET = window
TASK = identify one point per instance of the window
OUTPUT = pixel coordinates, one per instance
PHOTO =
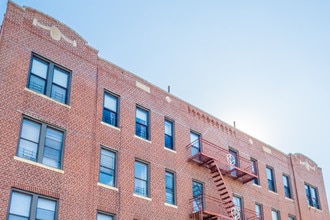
(233, 160)
(170, 187)
(286, 184)
(312, 196)
(198, 200)
(275, 214)
(107, 167)
(195, 142)
(141, 183)
(103, 216)
(291, 217)
(142, 123)
(239, 205)
(169, 143)
(25, 205)
(270, 179)
(259, 214)
(254, 170)
(110, 109)
(48, 78)
(41, 143)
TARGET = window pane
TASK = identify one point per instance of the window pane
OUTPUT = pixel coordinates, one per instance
(39, 68)
(110, 102)
(103, 217)
(60, 78)
(141, 170)
(275, 215)
(53, 148)
(107, 159)
(142, 116)
(19, 205)
(27, 150)
(141, 131)
(168, 128)
(107, 166)
(58, 93)
(37, 84)
(140, 187)
(30, 131)
(46, 209)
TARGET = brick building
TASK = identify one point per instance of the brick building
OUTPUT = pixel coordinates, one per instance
(82, 138)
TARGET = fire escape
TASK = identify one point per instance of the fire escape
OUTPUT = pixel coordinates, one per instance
(220, 162)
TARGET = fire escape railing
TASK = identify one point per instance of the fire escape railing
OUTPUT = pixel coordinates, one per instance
(238, 168)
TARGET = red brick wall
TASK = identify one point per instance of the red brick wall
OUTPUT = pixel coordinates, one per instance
(77, 190)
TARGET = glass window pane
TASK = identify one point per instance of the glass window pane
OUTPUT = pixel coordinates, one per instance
(30, 131)
(103, 217)
(46, 209)
(37, 84)
(141, 116)
(20, 205)
(168, 128)
(60, 78)
(107, 159)
(141, 170)
(27, 149)
(110, 102)
(54, 138)
(58, 93)
(275, 215)
(39, 68)
(140, 187)
(107, 177)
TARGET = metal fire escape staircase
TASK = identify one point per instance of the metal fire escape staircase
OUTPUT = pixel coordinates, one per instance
(220, 163)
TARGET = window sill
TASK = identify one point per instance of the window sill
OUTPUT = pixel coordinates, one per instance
(273, 192)
(109, 125)
(108, 187)
(47, 97)
(142, 197)
(256, 185)
(142, 139)
(170, 150)
(38, 164)
(316, 209)
(289, 199)
(170, 205)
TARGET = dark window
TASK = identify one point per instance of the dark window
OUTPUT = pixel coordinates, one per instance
(41, 143)
(232, 158)
(170, 187)
(198, 200)
(47, 78)
(312, 196)
(254, 170)
(110, 109)
(141, 182)
(169, 143)
(270, 179)
(195, 142)
(142, 123)
(107, 167)
(259, 213)
(30, 206)
(104, 216)
(239, 206)
(275, 214)
(286, 184)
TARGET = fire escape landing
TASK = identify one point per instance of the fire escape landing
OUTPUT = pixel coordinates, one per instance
(220, 163)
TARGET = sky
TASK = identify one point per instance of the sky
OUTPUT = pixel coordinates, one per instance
(263, 64)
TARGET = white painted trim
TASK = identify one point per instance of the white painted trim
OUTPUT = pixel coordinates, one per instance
(38, 164)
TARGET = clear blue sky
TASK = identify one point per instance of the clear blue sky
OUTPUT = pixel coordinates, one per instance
(263, 64)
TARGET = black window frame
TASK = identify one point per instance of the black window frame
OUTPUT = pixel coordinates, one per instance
(147, 194)
(261, 216)
(41, 145)
(49, 78)
(271, 183)
(99, 212)
(111, 112)
(169, 137)
(241, 205)
(255, 171)
(33, 203)
(312, 202)
(138, 124)
(114, 170)
(172, 191)
(287, 188)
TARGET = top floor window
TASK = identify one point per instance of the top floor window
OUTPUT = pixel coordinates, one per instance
(142, 123)
(49, 79)
(312, 196)
(169, 143)
(286, 184)
(270, 179)
(195, 141)
(110, 109)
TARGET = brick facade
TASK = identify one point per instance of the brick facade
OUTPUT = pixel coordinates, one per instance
(75, 186)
